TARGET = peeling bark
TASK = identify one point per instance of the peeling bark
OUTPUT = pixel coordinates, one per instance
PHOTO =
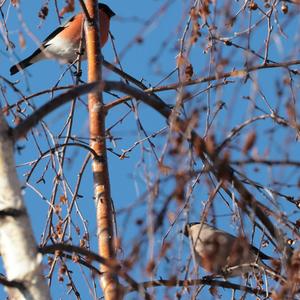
(109, 280)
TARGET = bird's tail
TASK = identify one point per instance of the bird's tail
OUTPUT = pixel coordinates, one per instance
(35, 56)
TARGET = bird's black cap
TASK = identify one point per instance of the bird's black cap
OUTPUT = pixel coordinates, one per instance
(187, 227)
(106, 9)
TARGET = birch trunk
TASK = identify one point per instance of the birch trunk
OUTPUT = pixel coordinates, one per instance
(109, 280)
(17, 245)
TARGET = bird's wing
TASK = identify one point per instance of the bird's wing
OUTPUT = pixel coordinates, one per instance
(56, 31)
(260, 254)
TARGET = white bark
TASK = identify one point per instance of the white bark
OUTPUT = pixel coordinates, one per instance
(17, 245)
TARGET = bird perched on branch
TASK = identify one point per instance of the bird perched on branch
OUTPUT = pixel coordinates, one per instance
(222, 253)
(64, 42)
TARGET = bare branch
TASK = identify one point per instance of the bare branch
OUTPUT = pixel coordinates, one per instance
(21, 130)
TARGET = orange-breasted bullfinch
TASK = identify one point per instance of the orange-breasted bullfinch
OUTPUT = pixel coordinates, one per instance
(64, 42)
(221, 253)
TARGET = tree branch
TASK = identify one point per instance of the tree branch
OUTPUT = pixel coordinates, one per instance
(203, 281)
(22, 129)
(113, 265)
(104, 206)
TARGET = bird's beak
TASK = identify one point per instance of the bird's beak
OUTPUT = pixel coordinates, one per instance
(185, 231)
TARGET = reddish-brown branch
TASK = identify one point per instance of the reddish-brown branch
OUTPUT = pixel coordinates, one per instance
(109, 280)
(231, 74)
(204, 281)
(112, 265)
(174, 86)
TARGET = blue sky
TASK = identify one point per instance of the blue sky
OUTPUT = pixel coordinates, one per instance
(150, 60)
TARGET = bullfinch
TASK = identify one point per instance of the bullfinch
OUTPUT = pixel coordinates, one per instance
(221, 253)
(64, 42)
